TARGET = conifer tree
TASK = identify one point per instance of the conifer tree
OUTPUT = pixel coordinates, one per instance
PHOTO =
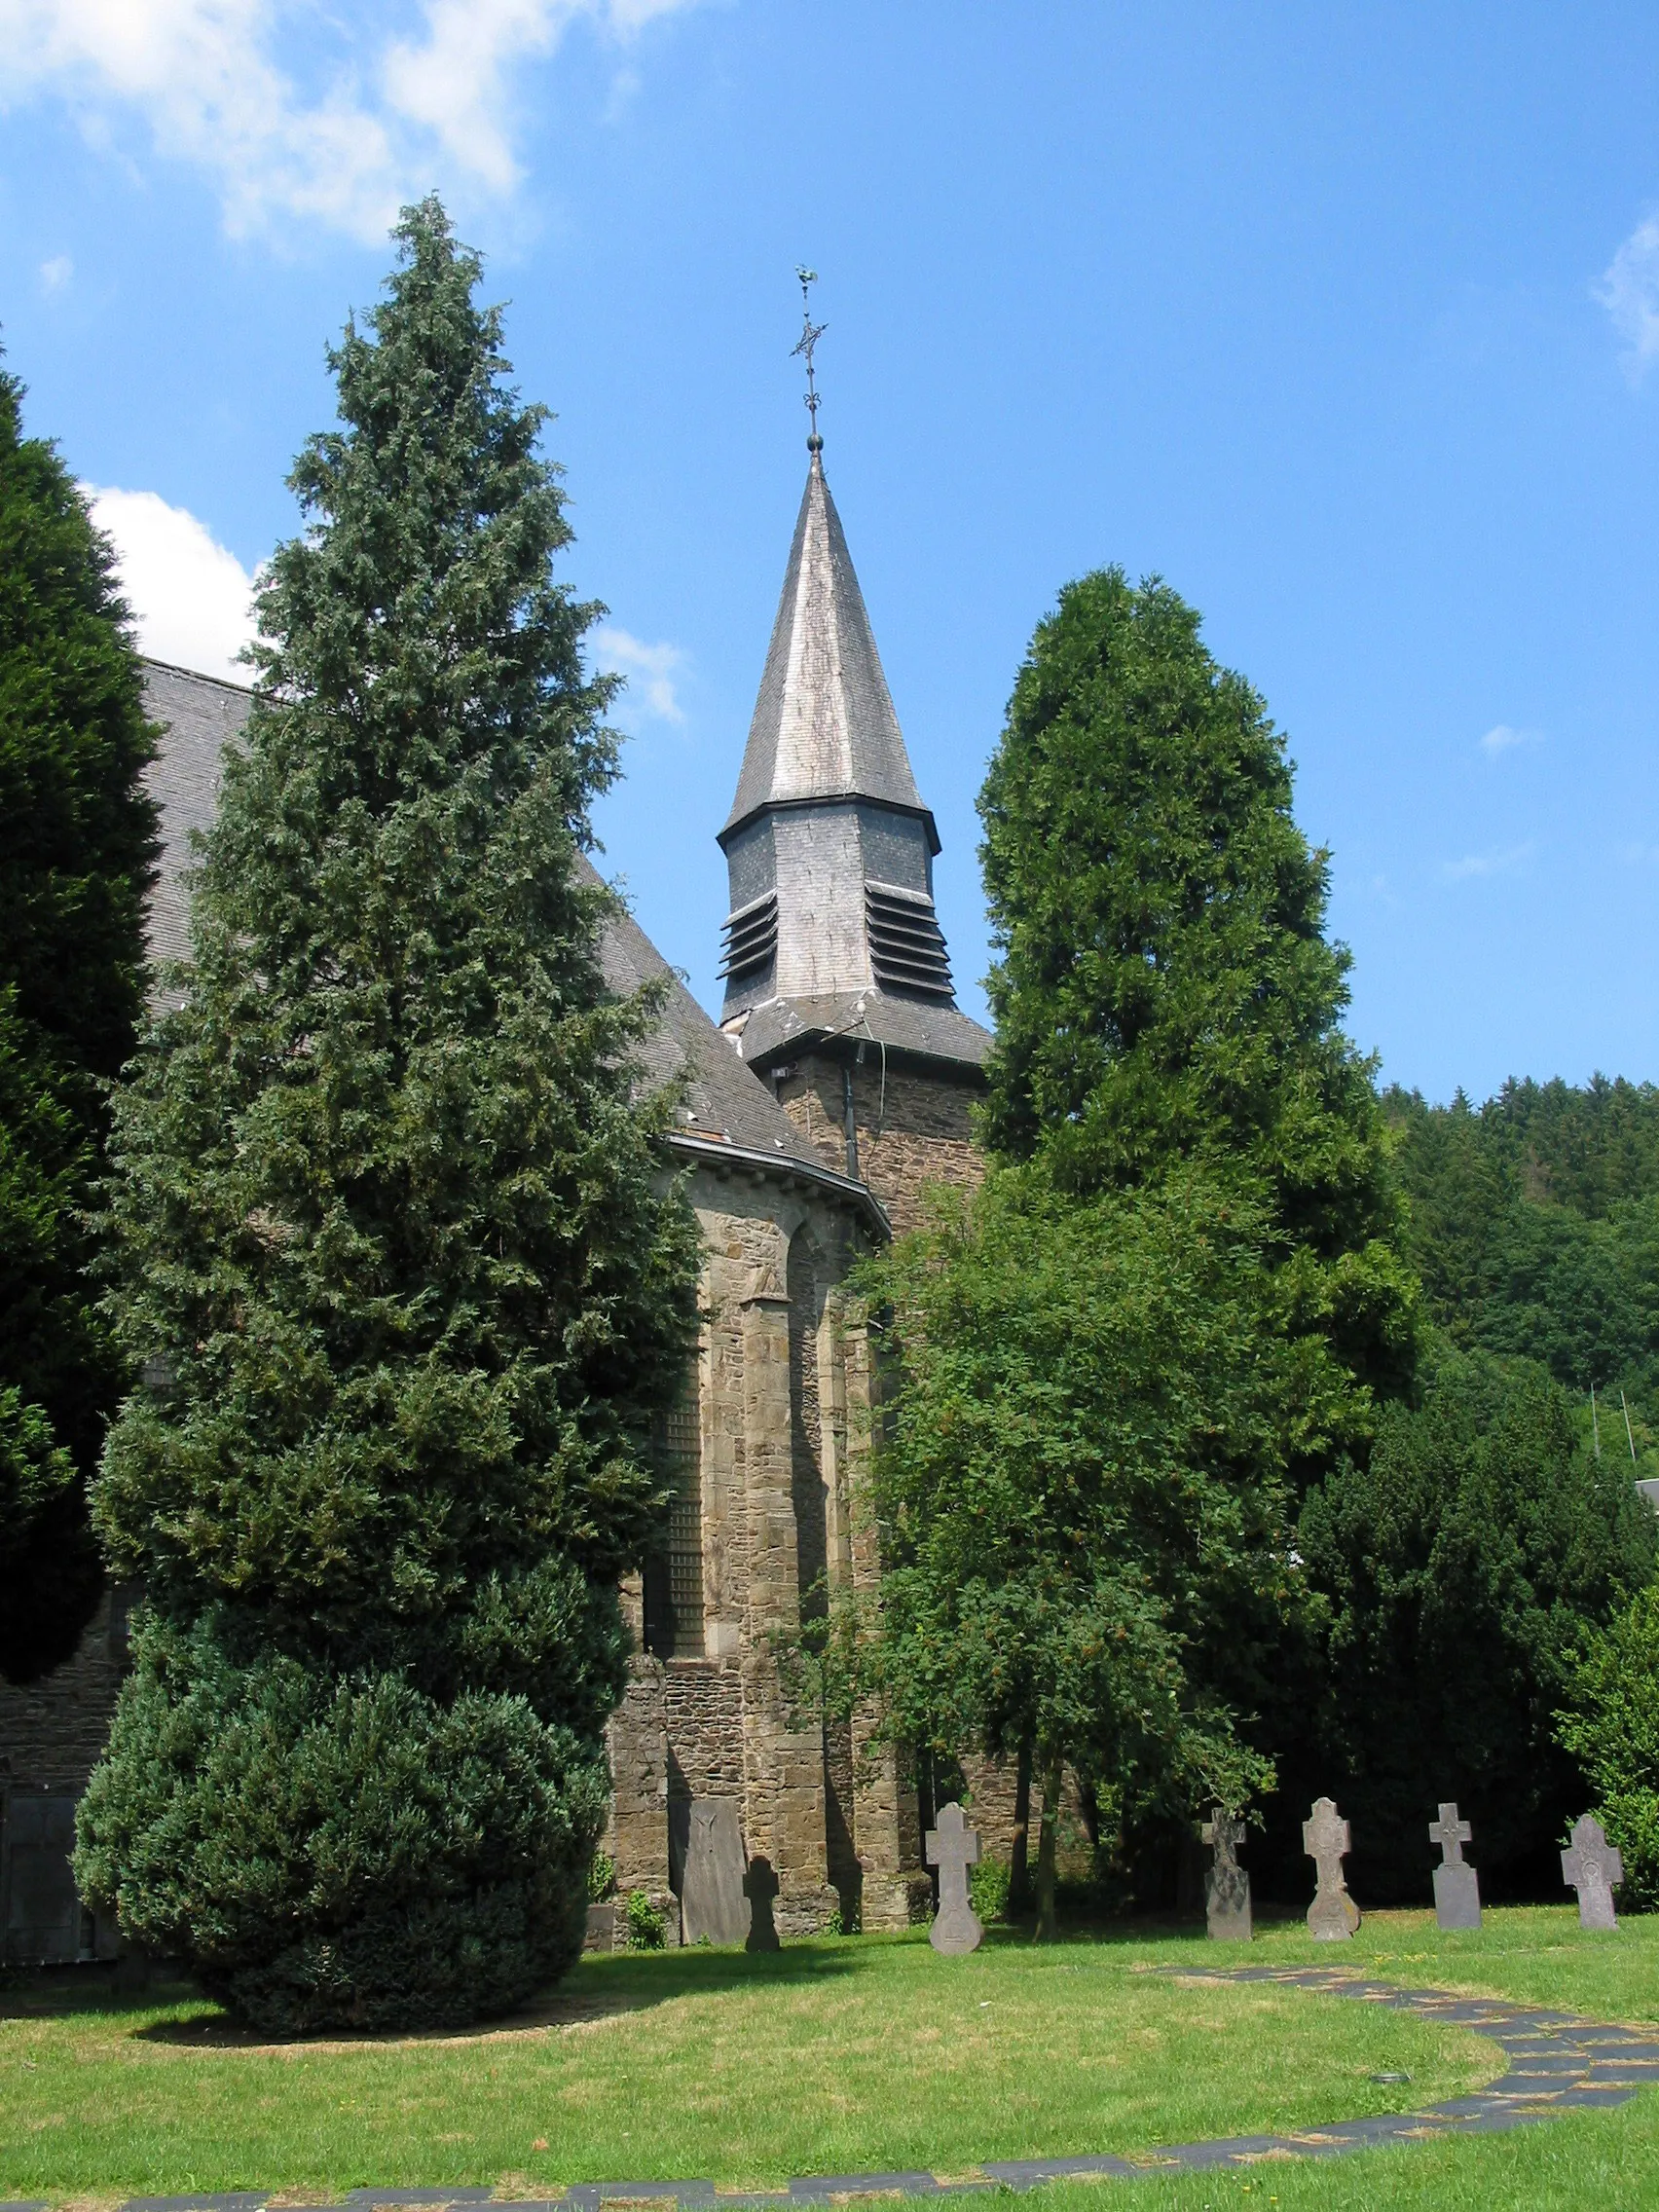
(392, 1236)
(76, 858)
(1164, 992)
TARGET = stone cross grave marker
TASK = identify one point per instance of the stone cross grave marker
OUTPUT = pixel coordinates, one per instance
(1456, 1885)
(953, 1847)
(1595, 1869)
(711, 1902)
(1227, 1886)
(1333, 1916)
(760, 1887)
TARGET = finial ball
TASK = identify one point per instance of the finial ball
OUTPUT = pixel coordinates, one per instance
(815, 444)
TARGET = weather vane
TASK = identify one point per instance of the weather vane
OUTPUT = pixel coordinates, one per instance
(810, 333)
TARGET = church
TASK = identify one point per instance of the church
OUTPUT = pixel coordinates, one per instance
(837, 1082)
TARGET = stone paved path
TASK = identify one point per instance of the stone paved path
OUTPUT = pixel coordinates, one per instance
(1557, 2063)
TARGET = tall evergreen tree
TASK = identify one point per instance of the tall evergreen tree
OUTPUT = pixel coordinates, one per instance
(393, 1235)
(1164, 992)
(76, 859)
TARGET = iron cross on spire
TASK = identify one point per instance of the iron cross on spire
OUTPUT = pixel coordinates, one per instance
(810, 333)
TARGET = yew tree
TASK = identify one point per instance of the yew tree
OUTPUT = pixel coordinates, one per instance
(1164, 990)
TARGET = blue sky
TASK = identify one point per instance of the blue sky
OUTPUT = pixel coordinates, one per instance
(1343, 319)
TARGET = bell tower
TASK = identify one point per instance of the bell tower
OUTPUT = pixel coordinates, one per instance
(837, 981)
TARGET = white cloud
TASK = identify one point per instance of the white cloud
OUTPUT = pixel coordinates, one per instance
(1630, 292)
(191, 598)
(1501, 738)
(362, 119)
(56, 274)
(1485, 864)
(650, 669)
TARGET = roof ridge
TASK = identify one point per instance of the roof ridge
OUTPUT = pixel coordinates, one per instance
(198, 675)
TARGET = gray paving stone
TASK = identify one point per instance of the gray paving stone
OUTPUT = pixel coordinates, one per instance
(231, 2200)
(398, 2196)
(862, 2185)
(1026, 2173)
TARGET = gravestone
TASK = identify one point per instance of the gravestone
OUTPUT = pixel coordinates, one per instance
(1227, 1886)
(713, 1908)
(760, 1887)
(41, 1921)
(1333, 1917)
(1456, 1885)
(1593, 1867)
(953, 1847)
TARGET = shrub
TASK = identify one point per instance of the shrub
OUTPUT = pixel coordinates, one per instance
(646, 1929)
(601, 1878)
(988, 1885)
(424, 1857)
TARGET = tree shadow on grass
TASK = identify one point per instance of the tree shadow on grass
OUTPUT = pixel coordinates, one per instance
(603, 1987)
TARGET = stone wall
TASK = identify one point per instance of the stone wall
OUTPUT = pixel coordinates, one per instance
(782, 1404)
(53, 1731)
(914, 1126)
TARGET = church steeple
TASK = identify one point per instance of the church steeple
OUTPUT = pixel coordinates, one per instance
(828, 845)
(824, 722)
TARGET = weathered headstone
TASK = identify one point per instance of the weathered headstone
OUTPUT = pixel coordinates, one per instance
(953, 1847)
(712, 1905)
(760, 1887)
(1333, 1916)
(1595, 1869)
(1227, 1886)
(1456, 1885)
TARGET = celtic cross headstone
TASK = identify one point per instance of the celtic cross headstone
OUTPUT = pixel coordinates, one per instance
(953, 1847)
(1333, 1917)
(1227, 1886)
(1456, 1885)
(1595, 1869)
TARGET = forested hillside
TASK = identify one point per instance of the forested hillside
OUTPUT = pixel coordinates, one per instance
(1535, 1227)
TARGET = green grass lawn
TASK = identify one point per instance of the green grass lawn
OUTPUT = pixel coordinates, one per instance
(838, 2056)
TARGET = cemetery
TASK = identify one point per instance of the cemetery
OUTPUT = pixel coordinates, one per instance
(607, 1606)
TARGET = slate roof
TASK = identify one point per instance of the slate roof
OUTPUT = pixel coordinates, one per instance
(725, 1098)
(920, 1028)
(729, 1109)
(199, 714)
(824, 722)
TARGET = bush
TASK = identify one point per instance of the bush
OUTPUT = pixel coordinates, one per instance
(1611, 1727)
(601, 1878)
(988, 1885)
(646, 1929)
(427, 1859)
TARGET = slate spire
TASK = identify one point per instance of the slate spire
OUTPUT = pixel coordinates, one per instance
(828, 845)
(823, 724)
